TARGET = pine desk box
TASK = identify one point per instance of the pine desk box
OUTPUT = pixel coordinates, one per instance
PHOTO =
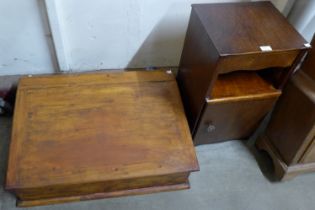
(87, 136)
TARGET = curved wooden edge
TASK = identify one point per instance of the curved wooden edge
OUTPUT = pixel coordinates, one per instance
(282, 171)
(261, 96)
(280, 167)
(155, 189)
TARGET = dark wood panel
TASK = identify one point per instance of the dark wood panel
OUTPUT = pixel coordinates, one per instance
(293, 119)
(227, 37)
(289, 137)
(308, 67)
(234, 119)
(60, 191)
(238, 102)
(281, 170)
(196, 69)
(237, 28)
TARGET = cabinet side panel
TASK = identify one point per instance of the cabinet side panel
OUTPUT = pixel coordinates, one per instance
(291, 122)
(197, 68)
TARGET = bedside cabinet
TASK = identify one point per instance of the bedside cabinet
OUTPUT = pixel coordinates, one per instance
(290, 136)
(235, 60)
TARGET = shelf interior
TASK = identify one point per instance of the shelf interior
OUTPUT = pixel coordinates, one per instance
(241, 84)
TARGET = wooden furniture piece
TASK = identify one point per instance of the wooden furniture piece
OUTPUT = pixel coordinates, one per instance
(290, 136)
(236, 58)
(88, 136)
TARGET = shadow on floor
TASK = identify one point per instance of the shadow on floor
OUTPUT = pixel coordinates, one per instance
(264, 162)
(163, 45)
(5, 134)
(263, 159)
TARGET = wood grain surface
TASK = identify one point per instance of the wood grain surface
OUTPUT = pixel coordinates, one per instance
(241, 85)
(223, 38)
(238, 103)
(197, 69)
(242, 27)
(290, 136)
(291, 129)
(87, 133)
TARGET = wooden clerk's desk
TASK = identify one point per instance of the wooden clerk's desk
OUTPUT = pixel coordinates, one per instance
(88, 136)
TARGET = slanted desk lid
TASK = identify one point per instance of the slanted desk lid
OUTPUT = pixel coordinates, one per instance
(97, 127)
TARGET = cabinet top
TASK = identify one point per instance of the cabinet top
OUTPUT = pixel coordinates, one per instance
(241, 28)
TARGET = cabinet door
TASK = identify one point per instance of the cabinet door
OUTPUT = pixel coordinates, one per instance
(231, 120)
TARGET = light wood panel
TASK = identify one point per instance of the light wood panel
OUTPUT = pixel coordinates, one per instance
(81, 134)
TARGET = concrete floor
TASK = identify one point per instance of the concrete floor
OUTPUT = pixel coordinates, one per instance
(230, 178)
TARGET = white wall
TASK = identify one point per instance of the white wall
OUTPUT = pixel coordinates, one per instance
(24, 47)
(95, 34)
(302, 17)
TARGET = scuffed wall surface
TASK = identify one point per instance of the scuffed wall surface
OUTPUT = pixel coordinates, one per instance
(97, 34)
(302, 17)
(24, 45)
(127, 34)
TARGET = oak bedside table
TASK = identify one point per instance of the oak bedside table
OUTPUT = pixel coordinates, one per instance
(290, 136)
(88, 136)
(235, 60)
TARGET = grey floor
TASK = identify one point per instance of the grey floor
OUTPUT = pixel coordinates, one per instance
(230, 178)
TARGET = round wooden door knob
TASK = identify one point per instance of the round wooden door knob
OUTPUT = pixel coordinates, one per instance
(210, 128)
